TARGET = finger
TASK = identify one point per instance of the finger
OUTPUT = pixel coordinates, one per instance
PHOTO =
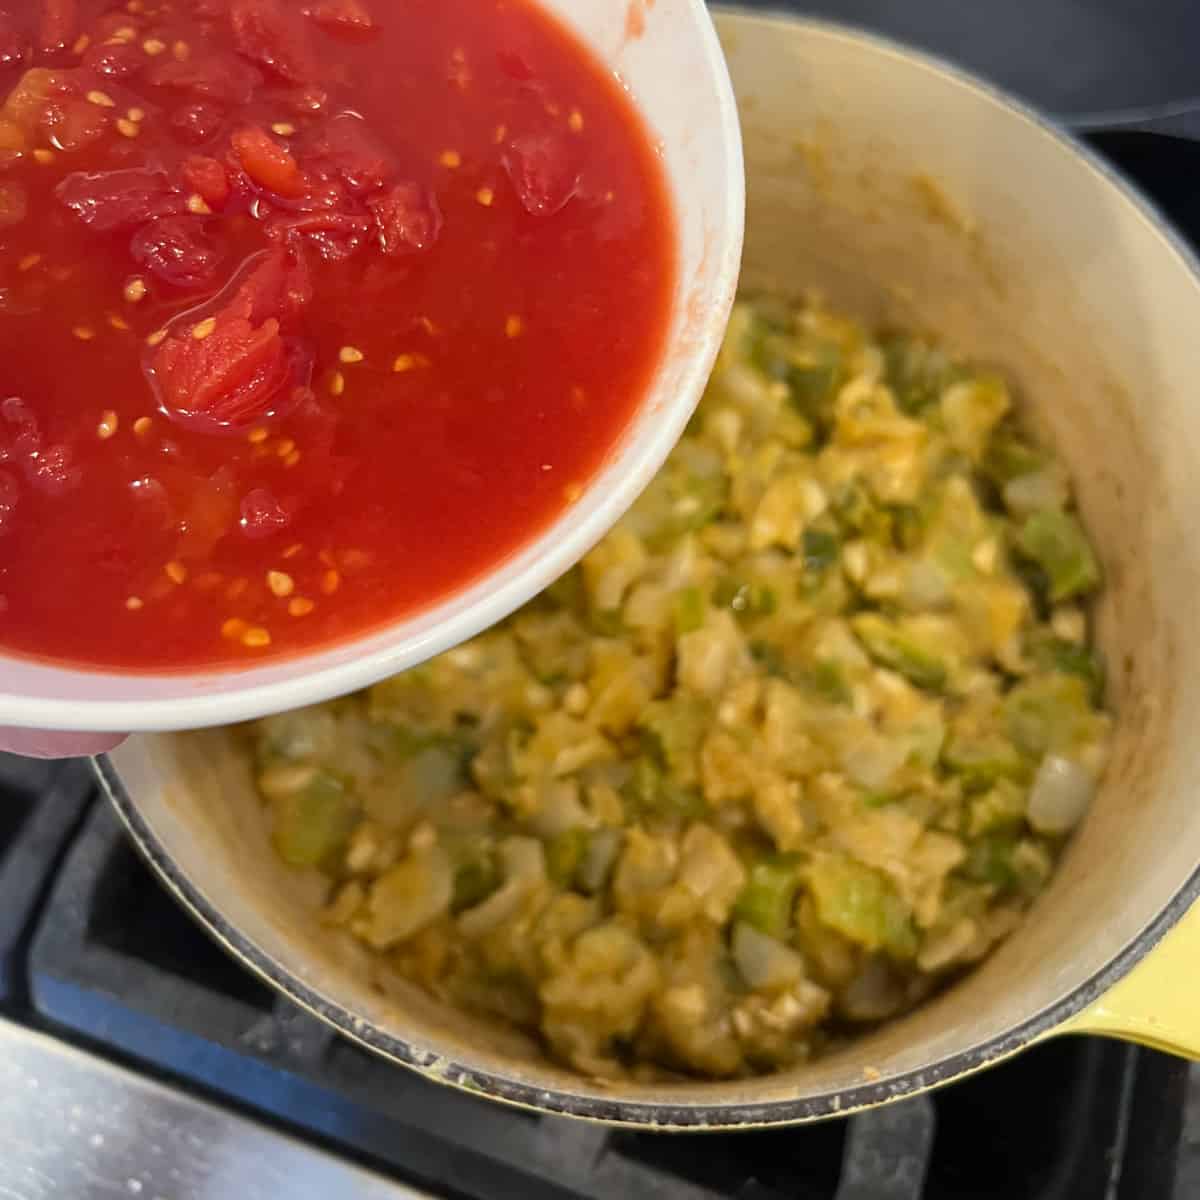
(43, 743)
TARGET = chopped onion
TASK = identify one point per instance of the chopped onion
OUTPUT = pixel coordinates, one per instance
(1026, 494)
(1061, 793)
(926, 585)
(763, 961)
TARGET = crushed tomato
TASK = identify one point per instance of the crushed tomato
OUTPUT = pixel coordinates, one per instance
(311, 311)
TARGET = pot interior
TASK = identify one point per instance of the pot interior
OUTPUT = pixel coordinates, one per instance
(908, 194)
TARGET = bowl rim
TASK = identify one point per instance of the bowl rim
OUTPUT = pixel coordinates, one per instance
(733, 1115)
(214, 696)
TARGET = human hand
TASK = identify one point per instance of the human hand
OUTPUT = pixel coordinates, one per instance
(43, 743)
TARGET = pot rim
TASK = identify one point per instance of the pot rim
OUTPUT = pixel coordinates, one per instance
(733, 1115)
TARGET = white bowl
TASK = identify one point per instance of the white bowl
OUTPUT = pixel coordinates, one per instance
(667, 55)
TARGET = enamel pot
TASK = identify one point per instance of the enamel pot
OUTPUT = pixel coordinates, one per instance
(909, 193)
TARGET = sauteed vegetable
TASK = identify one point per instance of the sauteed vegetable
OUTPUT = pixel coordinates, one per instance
(798, 741)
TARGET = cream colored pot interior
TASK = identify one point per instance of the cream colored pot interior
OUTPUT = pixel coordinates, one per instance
(909, 194)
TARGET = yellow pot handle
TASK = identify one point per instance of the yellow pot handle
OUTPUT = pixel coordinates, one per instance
(1158, 1002)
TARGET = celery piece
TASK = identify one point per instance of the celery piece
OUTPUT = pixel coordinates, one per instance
(690, 608)
(651, 793)
(1050, 653)
(1009, 456)
(811, 368)
(983, 761)
(879, 799)
(644, 783)
(1057, 543)
(858, 513)
(769, 657)
(1049, 713)
(889, 644)
(769, 895)
(564, 854)
(812, 385)
(821, 549)
(674, 729)
(829, 679)
(990, 859)
(313, 823)
(679, 501)
(916, 371)
(861, 904)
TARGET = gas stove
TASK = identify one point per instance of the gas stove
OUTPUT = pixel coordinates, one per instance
(136, 1059)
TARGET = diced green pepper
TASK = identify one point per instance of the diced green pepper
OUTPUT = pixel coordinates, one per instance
(649, 792)
(888, 643)
(312, 824)
(862, 905)
(990, 860)
(564, 854)
(916, 371)
(1009, 456)
(1057, 543)
(811, 368)
(1052, 653)
(689, 609)
(769, 657)
(769, 895)
(475, 880)
(821, 549)
(745, 600)
(909, 524)
(829, 678)
(674, 730)
(858, 513)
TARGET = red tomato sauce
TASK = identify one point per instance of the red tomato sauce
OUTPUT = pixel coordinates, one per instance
(311, 311)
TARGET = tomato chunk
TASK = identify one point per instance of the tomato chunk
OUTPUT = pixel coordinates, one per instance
(14, 45)
(114, 62)
(72, 124)
(334, 235)
(206, 176)
(407, 218)
(219, 77)
(197, 122)
(268, 164)
(233, 367)
(267, 32)
(542, 174)
(57, 27)
(262, 514)
(345, 148)
(177, 250)
(110, 200)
